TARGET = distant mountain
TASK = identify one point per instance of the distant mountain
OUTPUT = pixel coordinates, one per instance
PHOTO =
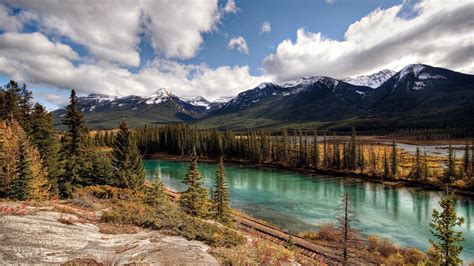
(373, 80)
(160, 107)
(418, 96)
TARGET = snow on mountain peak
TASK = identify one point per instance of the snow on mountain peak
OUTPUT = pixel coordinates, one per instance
(412, 68)
(197, 101)
(159, 96)
(373, 81)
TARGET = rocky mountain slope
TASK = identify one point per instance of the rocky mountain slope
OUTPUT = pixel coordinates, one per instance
(418, 96)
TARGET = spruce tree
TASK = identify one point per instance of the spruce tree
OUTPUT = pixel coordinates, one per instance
(194, 200)
(315, 152)
(418, 172)
(220, 195)
(76, 132)
(442, 227)
(73, 147)
(23, 177)
(394, 159)
(386, 170)
(450, 173)
(45, 139)
(156, 194)
(353, 151)
(465, 161)
(127, 160)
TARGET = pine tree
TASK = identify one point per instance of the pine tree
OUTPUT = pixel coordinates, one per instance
(442, 227)
(466, 158)
(450, 173)
(220, 195)
(73, 147)
(417, 165)
(425, 166)
(394, 159)
(386, 170)
(315, 152)
(45, 139)
(127, 160)
(194, 200)
(76, 132)
(325, 151)
(156, 194)
(353, 151)
(23, 177)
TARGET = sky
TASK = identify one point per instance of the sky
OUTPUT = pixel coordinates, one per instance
(217, 48)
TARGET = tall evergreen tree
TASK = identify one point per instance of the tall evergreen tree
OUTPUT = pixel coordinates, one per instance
(73, 147)
(220, 194)
(450, 173)
(127, 160)
(325, 151)
(76, 132)
(466, 160)
(345, 218)
(418, 172)
(23, 177)
(194, 200)
(44, 137)
(315, 152)
(394, 159)
(442, 227)
(386, 170)
(353, 151)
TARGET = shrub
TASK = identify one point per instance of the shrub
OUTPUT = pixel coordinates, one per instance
(413, 256)
(328, 232)
(383, 246)
(395, 259)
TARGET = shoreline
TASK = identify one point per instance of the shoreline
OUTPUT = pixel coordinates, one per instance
(346, 174)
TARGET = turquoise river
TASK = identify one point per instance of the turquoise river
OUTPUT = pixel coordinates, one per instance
(299, 202)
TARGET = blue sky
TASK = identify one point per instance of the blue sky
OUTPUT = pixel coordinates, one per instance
(121, 49)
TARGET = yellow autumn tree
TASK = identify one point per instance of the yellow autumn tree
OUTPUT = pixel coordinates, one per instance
(22, 175)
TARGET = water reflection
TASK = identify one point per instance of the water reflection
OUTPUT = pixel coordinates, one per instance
(299, 202)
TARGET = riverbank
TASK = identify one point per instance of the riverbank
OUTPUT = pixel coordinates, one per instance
(331, 172)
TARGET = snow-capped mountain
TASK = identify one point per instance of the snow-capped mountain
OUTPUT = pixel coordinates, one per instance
(416, 94)
(197, 101)
(294, 87)
(374, 80)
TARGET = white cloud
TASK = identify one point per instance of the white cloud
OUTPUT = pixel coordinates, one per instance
(8, 22)
(330, 2)
(32, 58)
(230, 7)
(176, 26)
(266, 27)
(239, 44)
(111, 30)
(441, 35)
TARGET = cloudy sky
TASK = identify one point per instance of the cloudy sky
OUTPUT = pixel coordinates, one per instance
(220, 48)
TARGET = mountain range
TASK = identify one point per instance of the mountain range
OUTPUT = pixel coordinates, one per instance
(418, 96)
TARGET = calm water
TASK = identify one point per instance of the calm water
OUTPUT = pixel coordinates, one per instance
(298, 202)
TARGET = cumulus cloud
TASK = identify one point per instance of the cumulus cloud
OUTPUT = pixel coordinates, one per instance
(230, 7)
(110, 30)
(33, 58)
(239, 44)
(440, 35)
(8, 22)
(266, 27)
(176, 26)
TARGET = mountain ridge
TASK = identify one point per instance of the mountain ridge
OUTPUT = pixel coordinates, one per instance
(415, 92)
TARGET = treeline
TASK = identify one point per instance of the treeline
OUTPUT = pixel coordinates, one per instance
(37, 162)
(299, 149)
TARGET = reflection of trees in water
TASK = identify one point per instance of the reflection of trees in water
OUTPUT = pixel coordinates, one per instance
(421, 204)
